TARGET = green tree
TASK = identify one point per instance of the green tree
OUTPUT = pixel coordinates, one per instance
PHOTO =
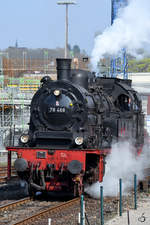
(139, 65)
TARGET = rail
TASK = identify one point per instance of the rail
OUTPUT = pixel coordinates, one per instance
(14, 204)
(48, 211)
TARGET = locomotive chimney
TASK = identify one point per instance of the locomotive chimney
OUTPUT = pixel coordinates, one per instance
(63, 69)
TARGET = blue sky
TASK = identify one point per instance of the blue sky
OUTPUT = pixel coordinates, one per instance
(41, 23)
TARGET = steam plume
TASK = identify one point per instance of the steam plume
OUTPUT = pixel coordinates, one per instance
(121, 163)
(131, 30)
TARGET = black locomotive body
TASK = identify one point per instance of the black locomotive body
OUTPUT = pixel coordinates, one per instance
(73, 123)
(82, 111)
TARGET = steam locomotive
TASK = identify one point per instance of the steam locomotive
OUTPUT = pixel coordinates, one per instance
(73, 123)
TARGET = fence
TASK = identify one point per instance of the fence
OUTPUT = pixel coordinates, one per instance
(15, 98)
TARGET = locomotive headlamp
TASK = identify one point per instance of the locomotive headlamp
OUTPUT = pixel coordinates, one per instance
(56, 92)
(24, 138)
(79, 140)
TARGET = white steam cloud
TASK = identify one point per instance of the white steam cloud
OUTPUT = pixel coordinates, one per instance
(121, 163)
(131, 30)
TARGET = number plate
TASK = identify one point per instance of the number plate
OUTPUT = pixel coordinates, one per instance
(57, 110)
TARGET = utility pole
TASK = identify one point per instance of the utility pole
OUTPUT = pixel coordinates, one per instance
(66, 3)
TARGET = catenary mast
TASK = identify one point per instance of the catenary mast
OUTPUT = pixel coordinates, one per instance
(115, 7)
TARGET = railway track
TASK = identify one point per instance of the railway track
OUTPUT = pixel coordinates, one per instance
(14, 204)
(3, 170)
(47, 212)
(3, 174)
(3, 180)
(63, 213)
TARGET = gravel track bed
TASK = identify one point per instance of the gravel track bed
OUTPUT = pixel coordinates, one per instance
(68, 216)
(21, 212)
(5, 202)
(111, 205)
(92, 206)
